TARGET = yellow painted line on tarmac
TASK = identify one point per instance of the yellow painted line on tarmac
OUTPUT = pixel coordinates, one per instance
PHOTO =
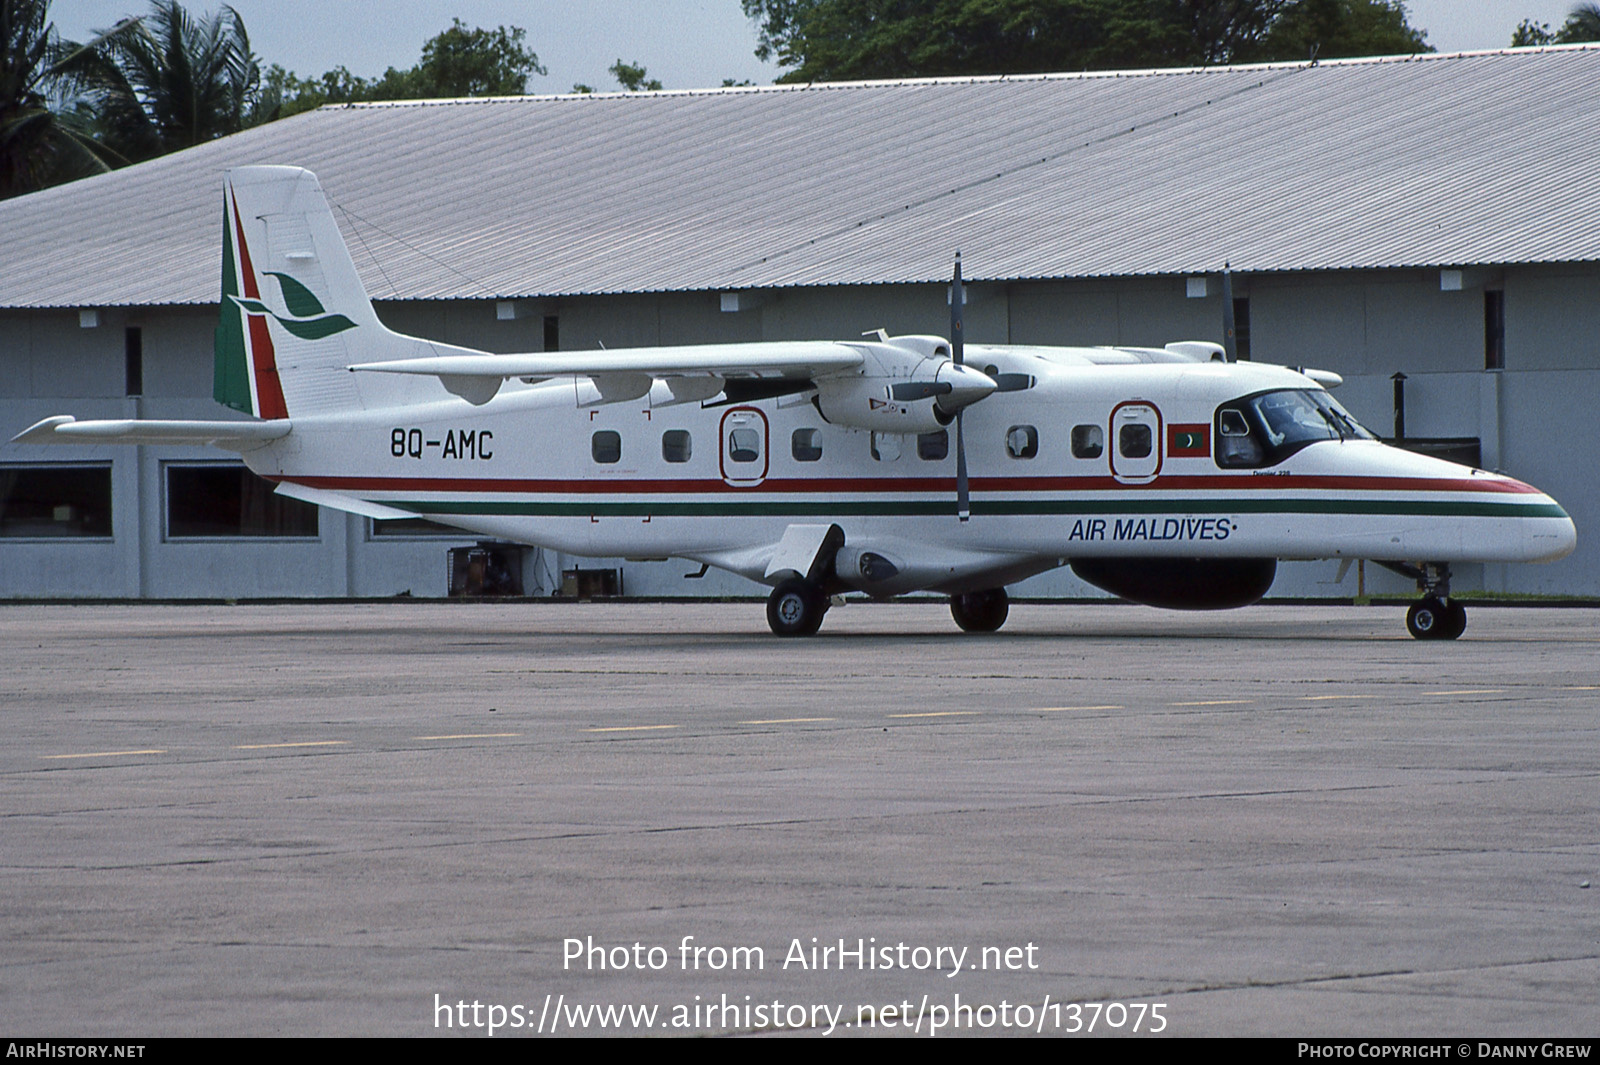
(1321, 698)
(1583, 688)
(470, 736)
(630, 728)
(102, 754)
(1216, 702)
(787, 720)
(308, 743)
(942, 713)
(1470, 691)
(1060, 709)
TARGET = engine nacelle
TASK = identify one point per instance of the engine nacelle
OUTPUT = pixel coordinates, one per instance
(869, 403)
(911, 386)
(1181, 583)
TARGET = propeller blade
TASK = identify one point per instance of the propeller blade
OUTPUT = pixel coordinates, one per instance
(963, 504)
(1229, 346)
(911, 391)
(958, 303)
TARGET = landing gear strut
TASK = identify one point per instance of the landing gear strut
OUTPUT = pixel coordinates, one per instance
(980, 611)
(1435, 616)
(795, 608)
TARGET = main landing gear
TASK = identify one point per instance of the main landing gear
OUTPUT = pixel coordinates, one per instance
(796, 607)
(1435, 616)
(980, 611)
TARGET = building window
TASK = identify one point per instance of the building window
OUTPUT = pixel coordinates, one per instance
(806, 445)
(1494, 329)
(606, 446)
(133, 361)
(55, 501)
(933, 447)
(676, 446)
(552, 333)
(227, 501)
(1022, 441)
(1088, 442)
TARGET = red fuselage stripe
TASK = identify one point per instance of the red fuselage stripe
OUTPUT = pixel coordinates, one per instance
(835, 485)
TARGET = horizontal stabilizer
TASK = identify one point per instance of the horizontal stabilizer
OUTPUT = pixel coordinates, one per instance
(234, 436)
(338, 501)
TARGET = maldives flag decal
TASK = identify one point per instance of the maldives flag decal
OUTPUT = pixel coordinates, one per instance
(1189, 441)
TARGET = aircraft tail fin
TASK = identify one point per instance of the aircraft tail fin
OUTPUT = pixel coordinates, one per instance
(294, 313)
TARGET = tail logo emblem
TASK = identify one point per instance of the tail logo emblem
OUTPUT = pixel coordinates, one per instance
(310, 320)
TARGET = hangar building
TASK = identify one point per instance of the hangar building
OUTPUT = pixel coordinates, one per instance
(1434, 216)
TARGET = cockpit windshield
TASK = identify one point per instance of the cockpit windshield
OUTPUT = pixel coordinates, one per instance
(1264, 429)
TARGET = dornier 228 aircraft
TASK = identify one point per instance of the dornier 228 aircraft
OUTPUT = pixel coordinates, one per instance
(1172, 477)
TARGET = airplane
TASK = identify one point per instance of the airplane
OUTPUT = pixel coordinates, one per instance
(1174, 477)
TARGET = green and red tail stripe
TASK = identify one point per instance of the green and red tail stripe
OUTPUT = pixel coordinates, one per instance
(246, 376)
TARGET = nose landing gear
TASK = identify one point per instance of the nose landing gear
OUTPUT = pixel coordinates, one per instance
(1435, 616)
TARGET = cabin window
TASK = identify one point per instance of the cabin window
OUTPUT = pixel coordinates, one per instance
(55, 501)
(806, 445)
(1088, 442)
(1134, 441)
(676, 445)
(1022, 441)
(933, 447)
(885, 446)
(744, 445)
(606, 446)
(219, 500)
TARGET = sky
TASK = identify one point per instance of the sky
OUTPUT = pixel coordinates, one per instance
(687, 44)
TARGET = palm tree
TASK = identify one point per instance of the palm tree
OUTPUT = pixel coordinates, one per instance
(43, 139)
(175, 83)
(1583, 24)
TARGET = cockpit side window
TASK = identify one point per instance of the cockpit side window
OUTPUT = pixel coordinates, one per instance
(1266, 428)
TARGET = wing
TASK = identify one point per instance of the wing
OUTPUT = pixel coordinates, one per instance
(695, 372)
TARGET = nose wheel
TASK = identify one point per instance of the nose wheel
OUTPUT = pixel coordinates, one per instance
(1436, 619)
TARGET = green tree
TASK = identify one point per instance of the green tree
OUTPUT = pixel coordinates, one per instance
(633, 77)
(460, 61)
(1331, 29)
(1530, 33)
(44, 137)
(1583, 24)
(173, 83)
(476, 62)
(831, 40)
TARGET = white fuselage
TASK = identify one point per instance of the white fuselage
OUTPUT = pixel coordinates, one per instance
(720, 484)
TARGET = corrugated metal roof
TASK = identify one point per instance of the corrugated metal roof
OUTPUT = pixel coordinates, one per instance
(1454, 160)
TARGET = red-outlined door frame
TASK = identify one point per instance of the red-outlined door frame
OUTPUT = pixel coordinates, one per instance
(743, 474)
(1136, 470)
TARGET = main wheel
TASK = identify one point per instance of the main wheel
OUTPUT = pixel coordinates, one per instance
(1455, 620)
(980, 611)
(795, 608)
(1429, 619)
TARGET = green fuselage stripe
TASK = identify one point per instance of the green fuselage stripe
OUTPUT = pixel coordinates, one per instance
(999, 507)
